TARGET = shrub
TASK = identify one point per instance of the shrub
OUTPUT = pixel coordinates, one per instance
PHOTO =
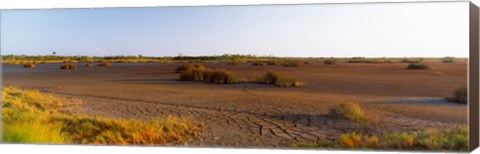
(105, 64)
(69, 66)
(460, 95)
(268, 78)
(274, 78)
(348, 111)
(288, 82)
(330, 61)
(89, 65)
(185, 67)
(448, 60)
(293, 64)
(235, 62)
(272, 62)
(258, 63)
(418, 66)
(29, 65)
(217, 76)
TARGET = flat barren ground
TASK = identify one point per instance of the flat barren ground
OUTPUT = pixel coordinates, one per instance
(256, 115)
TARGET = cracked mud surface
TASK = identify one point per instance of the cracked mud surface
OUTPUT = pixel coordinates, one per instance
(253, 115)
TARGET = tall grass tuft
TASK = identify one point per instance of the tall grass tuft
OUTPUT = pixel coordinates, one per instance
(89, 65)
(29, 65)
(348, 111)
(274, 78)
(418, 66)
(259, 63)
(460, 95)
(330, 61)
(293, 64)
(105, 64)
(185, 67)
(68, 66)
(217, 76)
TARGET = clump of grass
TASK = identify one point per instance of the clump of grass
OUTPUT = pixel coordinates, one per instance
(217, 76)
(460, 95)
(235, 62)
(69, 66)
(330, 61)
(29, 65)
(274, 78)
(32, 117)
(448, 60)
(89, 65)
(418, 66)
(348, 111)
(452, 139)
(288, 82)
(293, 64)
(189, 66)
(105, 64)
(258, 63)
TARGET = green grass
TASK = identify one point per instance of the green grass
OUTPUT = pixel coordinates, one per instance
(32, 117)
(452, 139)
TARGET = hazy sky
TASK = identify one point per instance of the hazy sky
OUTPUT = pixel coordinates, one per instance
(338, 30)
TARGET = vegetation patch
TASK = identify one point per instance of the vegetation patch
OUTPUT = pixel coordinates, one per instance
(104, 64)
(453, 139)
(293, 64)
(29, 65)
(418, 66)
(274, 78)
(259, 63)
(32, 117)
(189, 66)
(330, 61)
(448, 60)
(235, 62)
(89, 65)
(411, 60)
(217, 76)
(348, 111)
(460, 95)
(69, 66)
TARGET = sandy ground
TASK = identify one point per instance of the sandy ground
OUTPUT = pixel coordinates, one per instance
(254, 115)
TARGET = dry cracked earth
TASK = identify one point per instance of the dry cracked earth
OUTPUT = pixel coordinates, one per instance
(255, 115)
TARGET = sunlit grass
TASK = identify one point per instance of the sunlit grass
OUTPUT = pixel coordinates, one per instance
(453, 139)
(32, 117)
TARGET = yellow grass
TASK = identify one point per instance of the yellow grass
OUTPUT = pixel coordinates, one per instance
(348, 111)
(32, 117)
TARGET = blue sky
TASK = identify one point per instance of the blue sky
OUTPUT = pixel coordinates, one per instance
(328, 30)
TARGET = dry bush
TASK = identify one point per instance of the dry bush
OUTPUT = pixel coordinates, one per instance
(89, 65)
(288, 82)
(460, 95)
(259, 63)
(348, 111)
(274, 78)
(235, 62)
(448, 60)
(105, 64)
(330, 61)
(418, 66)
(69, 66)
(217, 76)
(29, 65)
(272, 62)
(293, 64)
(185, 67)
